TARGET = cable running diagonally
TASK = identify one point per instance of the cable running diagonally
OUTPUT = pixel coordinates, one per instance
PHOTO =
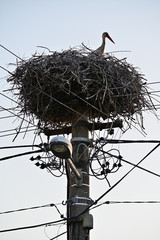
(20, 154)
(120, 180)
(125, 202)
(32, 208)
(32, 226)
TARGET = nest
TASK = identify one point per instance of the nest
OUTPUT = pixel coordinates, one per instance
(56, 87)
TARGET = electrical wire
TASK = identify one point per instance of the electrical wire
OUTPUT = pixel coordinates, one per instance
(20, 154)
(11, 134)
(115, 141)
(13, 109)
(120, 180)
(52, 79)
(85, 100)
(11, 52)
(63, 103)
(58, 235)
(32, 226)
(49, 51)
(144, 169)
(22, 118)
(32, 208)
(123, 160)
(6, 70)
(45, 92)
(71, 109)
(4, 117)
(62, 87)
(153, 83)
(40, 150)
(15, 129)
(21, 146)
(50, 171)
(52, 163)
(78, 98)
(132, 202)
(125, 202)
(16, 115)
(127, 173)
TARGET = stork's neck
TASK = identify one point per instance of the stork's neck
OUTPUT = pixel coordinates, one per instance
(103, 43)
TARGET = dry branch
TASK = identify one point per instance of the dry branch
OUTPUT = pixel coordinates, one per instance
(56, 87)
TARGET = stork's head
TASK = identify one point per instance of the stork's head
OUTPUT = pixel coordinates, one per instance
(105, 34)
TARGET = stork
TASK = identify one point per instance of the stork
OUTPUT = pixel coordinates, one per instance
(100, 50)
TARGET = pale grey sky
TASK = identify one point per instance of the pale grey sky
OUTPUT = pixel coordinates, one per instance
(60, 24)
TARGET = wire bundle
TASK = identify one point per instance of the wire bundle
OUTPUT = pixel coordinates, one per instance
(103, 162)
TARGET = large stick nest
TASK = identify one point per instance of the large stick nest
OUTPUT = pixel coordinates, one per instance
(58, 86)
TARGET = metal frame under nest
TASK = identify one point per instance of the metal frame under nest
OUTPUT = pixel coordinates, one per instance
(57, 87)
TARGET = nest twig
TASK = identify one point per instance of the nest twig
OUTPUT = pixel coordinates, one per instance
(56, 87)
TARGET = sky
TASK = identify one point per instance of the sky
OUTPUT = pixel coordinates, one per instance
(59, 25)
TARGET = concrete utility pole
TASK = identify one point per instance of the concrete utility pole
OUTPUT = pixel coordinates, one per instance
(78, 229)
(76, 156)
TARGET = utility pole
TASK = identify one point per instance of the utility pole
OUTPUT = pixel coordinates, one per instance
(76, 155)
(79, 189)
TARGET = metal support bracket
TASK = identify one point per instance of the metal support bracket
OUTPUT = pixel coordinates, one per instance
(79, 182)
(81, 201)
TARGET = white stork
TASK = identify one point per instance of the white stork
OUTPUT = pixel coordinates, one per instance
(100, 50)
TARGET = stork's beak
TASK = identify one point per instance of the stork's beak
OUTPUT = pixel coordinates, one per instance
(110, 39)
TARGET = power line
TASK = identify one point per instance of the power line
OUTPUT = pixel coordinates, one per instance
(15, 129)
(132, 202)
(70, 91)
(65, 104)
(144, 169)
(52, 79)
(105, 193)
(14, 113)
(20, 154)
(48, 49)
(6, 70)
(21, 146)
(6, 117)
(127, 173)
(82, 98)
(153, 83)
(87, 101)
(32, 208)
(119, 181)
(22, 118)
(13, 108)
(65, 89)
(125, 202)
(11, 134)
(115, 141)
(41, 90)
(11, 52)
(32, 226)
(120, 158)
(58, 221)
(56, 237)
